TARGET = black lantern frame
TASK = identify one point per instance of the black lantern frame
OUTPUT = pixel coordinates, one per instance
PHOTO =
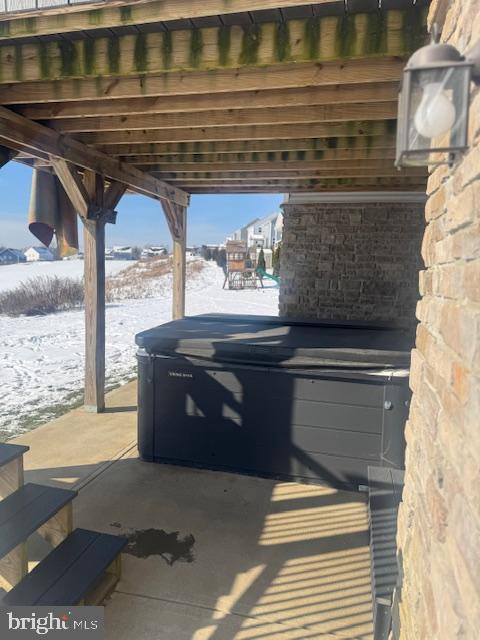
(441, 64)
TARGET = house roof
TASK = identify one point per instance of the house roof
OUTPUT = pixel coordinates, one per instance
(16, 252)
(40, 250)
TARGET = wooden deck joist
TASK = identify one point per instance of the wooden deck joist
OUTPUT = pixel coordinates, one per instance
(199, 150)
(121, 13)
(266, 169)
(314, 186)
(258, 99)
(284, 161)
(337, 37)
(231, 118)
(357, 71)
(243, 132)
(417, 188)
(380, 171)
(40, 140)
(115, 13)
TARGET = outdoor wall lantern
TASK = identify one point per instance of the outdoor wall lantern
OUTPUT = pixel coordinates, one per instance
(434, 103)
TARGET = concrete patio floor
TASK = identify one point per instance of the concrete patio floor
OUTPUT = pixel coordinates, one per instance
(213, 556)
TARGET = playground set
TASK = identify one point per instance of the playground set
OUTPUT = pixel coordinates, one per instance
(243, 272)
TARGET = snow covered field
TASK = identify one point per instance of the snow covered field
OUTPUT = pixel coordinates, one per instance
(42, 358)
(14, 274)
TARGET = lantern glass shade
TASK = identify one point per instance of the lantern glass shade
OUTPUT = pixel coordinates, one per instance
(433, 114)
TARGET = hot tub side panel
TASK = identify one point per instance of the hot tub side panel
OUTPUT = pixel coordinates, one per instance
(269, 421)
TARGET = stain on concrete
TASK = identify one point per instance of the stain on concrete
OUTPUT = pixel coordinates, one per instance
(157, 542)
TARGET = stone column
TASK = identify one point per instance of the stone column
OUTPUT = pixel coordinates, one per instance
(352, 256)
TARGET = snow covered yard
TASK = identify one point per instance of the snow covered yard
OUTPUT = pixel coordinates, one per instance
(42, 357)
(14, 274)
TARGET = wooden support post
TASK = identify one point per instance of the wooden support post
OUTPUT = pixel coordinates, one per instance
(94, 265)
(177, 221)
(95, 204)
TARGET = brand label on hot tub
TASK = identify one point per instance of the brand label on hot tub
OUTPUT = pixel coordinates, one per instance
(180, 374)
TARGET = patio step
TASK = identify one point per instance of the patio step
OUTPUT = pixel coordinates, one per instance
(32, 508)
(83, 569)
(11, 468)
(25, 511)
(10, 452)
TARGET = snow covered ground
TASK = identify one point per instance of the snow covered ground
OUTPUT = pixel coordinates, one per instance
(42, 358)
(14, 274)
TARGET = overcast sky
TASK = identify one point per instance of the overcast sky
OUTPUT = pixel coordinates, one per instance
(140, 220)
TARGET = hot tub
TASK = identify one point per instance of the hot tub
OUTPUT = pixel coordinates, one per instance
(312, 401)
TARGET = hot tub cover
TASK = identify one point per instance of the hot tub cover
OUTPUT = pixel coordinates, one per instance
(273, 341)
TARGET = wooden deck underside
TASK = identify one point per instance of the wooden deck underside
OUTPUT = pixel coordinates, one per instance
(217, 96)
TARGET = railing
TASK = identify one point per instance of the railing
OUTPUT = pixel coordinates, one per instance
(16, 6)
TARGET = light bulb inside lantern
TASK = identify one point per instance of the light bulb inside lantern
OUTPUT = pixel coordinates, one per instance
(436, 113)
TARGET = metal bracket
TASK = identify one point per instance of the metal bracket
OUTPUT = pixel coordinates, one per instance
(473, 55)
(108, 216)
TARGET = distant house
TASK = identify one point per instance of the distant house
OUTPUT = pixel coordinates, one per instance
(120, 253)
(38, 254)
(262, 232)
(270, 229)
(11, 256)
(154, 252)
(123, 253)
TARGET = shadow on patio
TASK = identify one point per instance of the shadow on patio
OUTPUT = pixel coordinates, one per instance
(213, 556)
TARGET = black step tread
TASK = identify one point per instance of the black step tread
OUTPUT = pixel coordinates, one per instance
(68, 573)
(25, 510)
(9, 452)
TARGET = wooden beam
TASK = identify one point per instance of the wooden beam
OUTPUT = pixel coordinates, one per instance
(258, 99)
(41, 141)
(242, 132)
(177, 222)
(228, 147)
(121, 13)
(367, 71)
(231, 118)
(334, 37)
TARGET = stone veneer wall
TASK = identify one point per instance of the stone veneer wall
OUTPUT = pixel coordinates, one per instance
(351, 261)
(439, 520)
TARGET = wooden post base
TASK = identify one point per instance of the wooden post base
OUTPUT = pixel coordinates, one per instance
(11, 477)
(59, 527)
(13, 567)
